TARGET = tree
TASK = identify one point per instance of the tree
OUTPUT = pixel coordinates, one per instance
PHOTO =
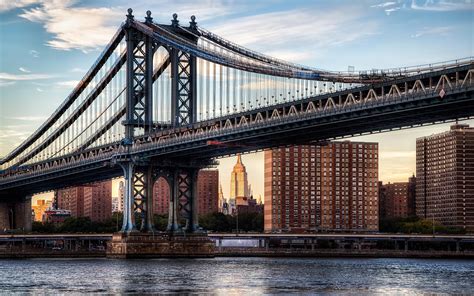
(416, 225)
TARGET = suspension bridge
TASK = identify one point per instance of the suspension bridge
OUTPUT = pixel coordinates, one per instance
(164, 100)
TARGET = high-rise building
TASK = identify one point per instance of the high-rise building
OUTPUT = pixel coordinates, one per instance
(411, 198)
(207, 188)
(396, 200)
(117, 201)
(445, 177)
(161, 197)
(208, 196)
(72, 199)
(239, 188)
(332, 187)
(39, 207)
(98, 201)
(222, 201)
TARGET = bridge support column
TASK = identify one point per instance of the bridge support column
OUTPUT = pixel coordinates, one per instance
(173, 213)
(23, 218)
(16, 215)
(128, 224)
(192, 223)
(138, 197)
(183, 200)
(5, 220)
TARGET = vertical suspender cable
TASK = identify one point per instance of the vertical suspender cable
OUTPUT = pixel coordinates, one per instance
(214, 86)
(221, 91)
(227, 79)
(208, 88)
(201, 99)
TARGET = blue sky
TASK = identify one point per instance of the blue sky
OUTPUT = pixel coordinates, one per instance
(46, 46)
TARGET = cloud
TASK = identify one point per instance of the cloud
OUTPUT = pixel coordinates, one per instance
(390, 10)
(385, 4)
(27, 118)
(24, 70)
(19, 77)
(442, 5)
(6, 83)
(34, 53)
(39, 89)
(311, 29)
(10, 4)
(68, 83)
(389, 7)
(433, 31)
(12, 136)
(83, 28)
(295, 55)
(69, 23)
(78, 70)
(427, 5)
(7, 79)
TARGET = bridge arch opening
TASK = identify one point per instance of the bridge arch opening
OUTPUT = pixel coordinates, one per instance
(161, 198)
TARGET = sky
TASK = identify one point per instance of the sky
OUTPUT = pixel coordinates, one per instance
(46, 46)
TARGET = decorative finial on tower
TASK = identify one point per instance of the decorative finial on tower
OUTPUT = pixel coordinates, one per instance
(174, 21)
(148, 18)
(239, 158)
(129, 15)
(129, 20)
(192, 23)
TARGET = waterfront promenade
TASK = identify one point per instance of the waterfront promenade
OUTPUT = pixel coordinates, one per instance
(257, 245)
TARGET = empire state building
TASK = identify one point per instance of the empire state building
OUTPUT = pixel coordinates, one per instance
(239, 184)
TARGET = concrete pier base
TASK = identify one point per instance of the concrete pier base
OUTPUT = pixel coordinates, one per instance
(16, 215)
(159, 245)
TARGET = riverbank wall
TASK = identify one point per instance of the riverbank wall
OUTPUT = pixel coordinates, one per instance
(256, 245)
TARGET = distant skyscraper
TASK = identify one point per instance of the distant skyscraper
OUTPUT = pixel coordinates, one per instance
(445, 177)
(331, 187)
(98, 201)
(222, 200)
(239, 184)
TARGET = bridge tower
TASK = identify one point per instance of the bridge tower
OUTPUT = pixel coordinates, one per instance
(140, 175)
(183, 75)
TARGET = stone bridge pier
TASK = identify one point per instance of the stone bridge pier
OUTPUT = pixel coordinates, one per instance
(16, 214)
(183, 236)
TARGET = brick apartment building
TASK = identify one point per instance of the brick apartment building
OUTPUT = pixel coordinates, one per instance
(332, 187)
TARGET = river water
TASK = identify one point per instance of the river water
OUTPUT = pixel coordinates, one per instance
(237, 276)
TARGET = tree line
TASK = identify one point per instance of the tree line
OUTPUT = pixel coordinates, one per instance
(213, 222)
(416, 225)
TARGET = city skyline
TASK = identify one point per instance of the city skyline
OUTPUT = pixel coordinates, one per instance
(33, 86)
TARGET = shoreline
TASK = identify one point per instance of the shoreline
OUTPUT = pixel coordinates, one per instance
(278, 253)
